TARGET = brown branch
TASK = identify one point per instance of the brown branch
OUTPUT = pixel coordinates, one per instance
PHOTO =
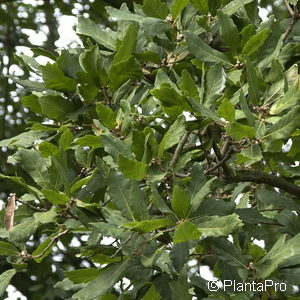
(222, 161)
(32, 206)
(178, 150)
(226, 156)
(295, 17)
(289, 8)
(261, 177)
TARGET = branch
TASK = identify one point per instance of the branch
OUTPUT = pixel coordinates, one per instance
(226, 156)
(289, 8)
(32, 206)
(295, 16)
(222, 161)
(261, 177)
(54, 239)
(178, 150)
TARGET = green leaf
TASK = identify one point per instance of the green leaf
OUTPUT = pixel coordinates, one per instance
(281, 251)
(234, 6)
(128, 44)
(21, 232)
(201, 5)
(290, 220)
(55, 107)
(104, 37)
(114, 146)
(148, 225)
(284, 126)
(172, 136)
(245, 108)
(48, 149)
(28, 84)
(187, 85)
(132, 169)
(106, 115)
(24, 139)
(65, 139)
(155, 9)
(35, 165)
(152, 26)
(83, 275)
(55, 198)
(89, 60)
(214, 84)
(104, 282)
(180, 202)
(32, 103)
(177, 7)
(186, 231)
(44, 249)
(89, 141)
(150, 295)
(290, 99)
(8, 249)
(203, 111)
(226, 110)
(229, 31)
(122, 71)
(200, 192)
(255, 42)
(5, 279)
(254, 83)
(239, 131)
(46, 217)
(179, 255)
(127, 197)
(172, 102)
(217, 226)
(202, 51)
(55, 79)
(33, 190)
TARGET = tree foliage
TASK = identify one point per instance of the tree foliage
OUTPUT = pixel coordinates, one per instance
(167, 140)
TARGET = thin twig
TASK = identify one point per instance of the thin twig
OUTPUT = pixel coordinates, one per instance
(271, 209)
(32, 206)
(289, 8)
(120, 247)
(178, 149)
(295, 17)
(221, 162)
(54, 239)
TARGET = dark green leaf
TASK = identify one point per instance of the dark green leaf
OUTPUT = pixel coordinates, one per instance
(104, 282)
(5, 279)
(186, 231)
(155, 9)
(55, 79)
(120, 72)
(239, 131)
(8, 249)
(180, 202)
(55, 107)
(148, 225)
(132, 169)
(104, 37)
(226, 110)
(229, 31)
(202, 51)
